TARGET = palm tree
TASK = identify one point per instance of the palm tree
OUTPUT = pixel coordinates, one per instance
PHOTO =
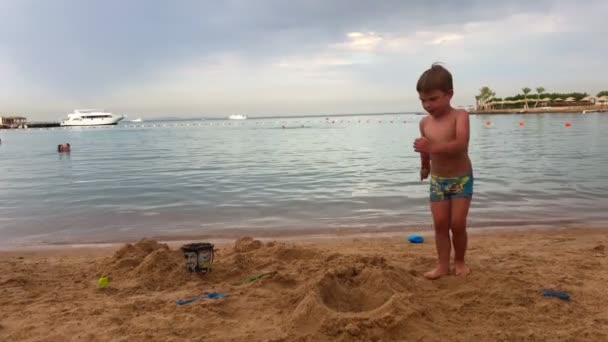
(526, 91)
(602, 93)
(539, 91)
(485, 95)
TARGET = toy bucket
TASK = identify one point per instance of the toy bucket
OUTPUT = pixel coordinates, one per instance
(198, 256)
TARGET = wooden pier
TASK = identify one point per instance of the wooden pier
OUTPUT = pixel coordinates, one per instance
(42, 124)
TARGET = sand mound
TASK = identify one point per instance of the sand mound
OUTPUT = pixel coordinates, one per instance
(250, 257)
(275, 250)
(288, 253)
(247, 244)
(354, 290)
(139, 250)
(358, 298)
(147, 264)
(161, 269)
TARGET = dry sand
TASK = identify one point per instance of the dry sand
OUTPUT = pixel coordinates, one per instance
(328, 290)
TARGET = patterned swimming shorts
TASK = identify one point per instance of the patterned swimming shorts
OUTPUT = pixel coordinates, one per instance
(445, 188)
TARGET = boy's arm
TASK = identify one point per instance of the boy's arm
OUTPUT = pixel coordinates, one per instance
(425, 158)
(461, 142)
(425, 161)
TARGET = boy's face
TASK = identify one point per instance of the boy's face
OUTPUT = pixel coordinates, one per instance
(435, 102)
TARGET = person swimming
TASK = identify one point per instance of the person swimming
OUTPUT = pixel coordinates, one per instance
(63, 148)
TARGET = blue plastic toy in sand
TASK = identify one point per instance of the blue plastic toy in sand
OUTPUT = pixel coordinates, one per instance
(558, 294)
(212, 295)
(415, 239)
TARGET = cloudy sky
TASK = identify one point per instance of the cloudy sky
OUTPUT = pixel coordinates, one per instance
(279, 57)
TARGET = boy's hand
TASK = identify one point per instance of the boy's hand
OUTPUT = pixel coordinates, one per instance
(422, 145)
(424, 174)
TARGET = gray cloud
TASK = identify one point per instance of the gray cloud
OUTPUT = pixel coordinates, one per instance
(83, 45)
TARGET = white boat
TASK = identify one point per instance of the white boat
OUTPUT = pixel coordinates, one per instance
(237, 117)
(91, 117)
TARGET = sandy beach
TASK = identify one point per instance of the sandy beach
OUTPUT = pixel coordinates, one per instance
(333, 289)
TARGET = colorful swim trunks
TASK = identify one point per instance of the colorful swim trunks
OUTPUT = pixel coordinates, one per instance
(445, 188)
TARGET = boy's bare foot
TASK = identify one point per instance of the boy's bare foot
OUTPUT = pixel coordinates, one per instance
(437, 273)
(461, 269)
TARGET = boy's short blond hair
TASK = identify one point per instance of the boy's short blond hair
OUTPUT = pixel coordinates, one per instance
(435, 78)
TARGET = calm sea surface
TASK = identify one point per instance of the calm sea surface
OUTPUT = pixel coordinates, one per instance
(191, 178)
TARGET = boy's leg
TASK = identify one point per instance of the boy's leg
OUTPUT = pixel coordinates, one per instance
(458, 225)
(441, 211)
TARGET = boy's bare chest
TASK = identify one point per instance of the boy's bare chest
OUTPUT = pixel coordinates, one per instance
(440, 130)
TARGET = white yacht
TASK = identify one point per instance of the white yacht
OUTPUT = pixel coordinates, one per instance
(91, 117)
(237, 117)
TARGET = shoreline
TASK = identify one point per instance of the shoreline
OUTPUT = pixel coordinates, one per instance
(299, 235)
(549, 110)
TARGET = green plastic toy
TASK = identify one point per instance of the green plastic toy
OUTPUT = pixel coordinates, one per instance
(103, 282)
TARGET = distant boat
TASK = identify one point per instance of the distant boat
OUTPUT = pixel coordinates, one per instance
(91, 117)
(137, 120)
(237, 117)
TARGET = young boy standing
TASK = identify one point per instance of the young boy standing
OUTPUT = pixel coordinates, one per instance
(443, 148)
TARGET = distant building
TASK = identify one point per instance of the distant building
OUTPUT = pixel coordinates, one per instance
(13, 121)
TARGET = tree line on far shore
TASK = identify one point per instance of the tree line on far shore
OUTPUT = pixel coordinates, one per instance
(487, 98)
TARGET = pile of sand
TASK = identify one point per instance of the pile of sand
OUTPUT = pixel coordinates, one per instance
(246, 244)
(146, 264)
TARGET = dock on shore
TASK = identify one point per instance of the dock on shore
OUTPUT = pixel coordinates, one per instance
(43, 124)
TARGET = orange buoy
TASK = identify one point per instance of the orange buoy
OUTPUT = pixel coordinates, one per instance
(521, 123)
(488, 123)
(568, 124)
